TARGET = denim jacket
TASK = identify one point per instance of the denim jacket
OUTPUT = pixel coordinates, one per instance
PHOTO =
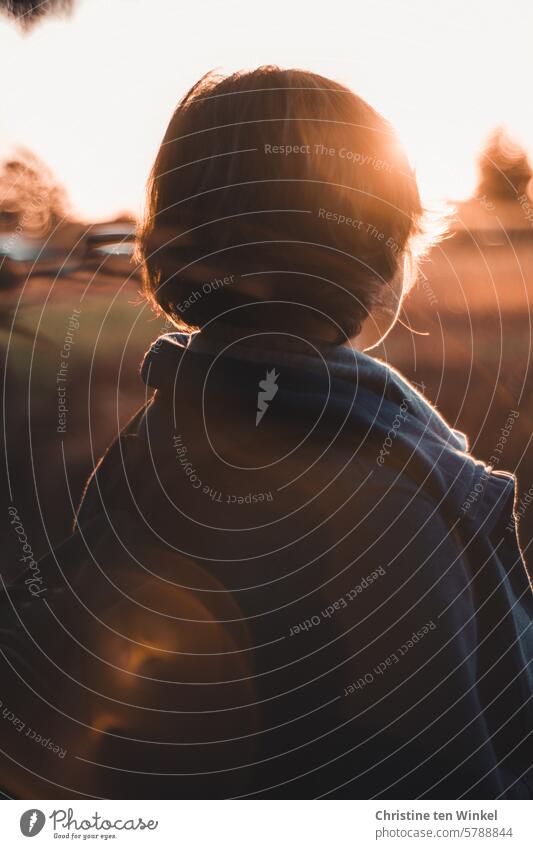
(288, 577)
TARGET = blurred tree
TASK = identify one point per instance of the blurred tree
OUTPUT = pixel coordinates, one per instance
(28, 12)
(30, 197)
(504, 168)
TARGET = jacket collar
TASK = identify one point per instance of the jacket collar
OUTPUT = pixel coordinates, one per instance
(425, 447)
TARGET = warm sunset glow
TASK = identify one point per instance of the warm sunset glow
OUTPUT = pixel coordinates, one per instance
(92, 94)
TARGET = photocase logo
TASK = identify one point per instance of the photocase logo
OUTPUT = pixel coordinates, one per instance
(267, 389)
(32, 822)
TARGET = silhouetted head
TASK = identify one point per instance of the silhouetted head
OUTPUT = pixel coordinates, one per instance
(279, 199)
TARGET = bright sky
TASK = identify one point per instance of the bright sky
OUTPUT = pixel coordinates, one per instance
(92, 94)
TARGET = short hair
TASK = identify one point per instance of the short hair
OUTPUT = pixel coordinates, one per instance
(278, 172)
